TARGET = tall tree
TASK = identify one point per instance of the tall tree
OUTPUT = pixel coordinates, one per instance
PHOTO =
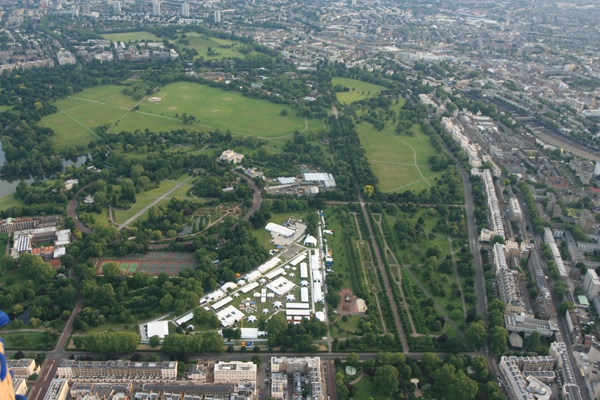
(386, 379)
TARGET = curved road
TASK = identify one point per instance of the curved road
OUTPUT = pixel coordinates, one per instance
(72, 212)
(257, 201)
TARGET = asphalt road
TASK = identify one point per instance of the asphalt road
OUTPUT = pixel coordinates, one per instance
(72, 212)
(481, 303)
(257, 201)
(562, 324)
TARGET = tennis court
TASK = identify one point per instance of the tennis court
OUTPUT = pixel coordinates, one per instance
(153, 263)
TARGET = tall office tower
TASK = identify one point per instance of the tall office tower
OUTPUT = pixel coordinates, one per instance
(156, 8)
(353, 2)
(85, 8)
(217, 17)
(185, 10)
(117, 7)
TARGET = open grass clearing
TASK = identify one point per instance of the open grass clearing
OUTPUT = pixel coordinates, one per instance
(358, 89)
(225, 48)
(98, 93)
(97, 220)
(223, 109)
(365, 390)
(67, 132)
(393, 158)
(94, 114)
(9, 201)
(143, 200)
(15, 276)
(335, 242)
(26, 341)
(131, 36)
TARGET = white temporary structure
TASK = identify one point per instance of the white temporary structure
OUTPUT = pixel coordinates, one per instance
(245, 289)
(158, 328)
(222, 303)
(280, 230)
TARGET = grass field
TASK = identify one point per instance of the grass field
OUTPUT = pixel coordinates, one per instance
(362, 90)
(400, 162)
(143, 199)
(80, 114)
(4, 108)
(26, 341)
(9, 201)
(226, 110)
(201, 43)
(86, 110)
(131, 36)
(365, 389)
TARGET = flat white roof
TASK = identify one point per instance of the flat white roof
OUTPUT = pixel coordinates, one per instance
(252, 276)
(249, 287)
(303, 270)
(158, 328)
(269, 265)
(185, 318)
(229, 315)
(212, 296)
(297, 305)
(279, 229)
(297, 312)
(317, 292)
(304, 294)
(280, 286)
(221, 303)
(249, 333)
(314, 260)
(298, 259)
(274, 273)
(317, 276)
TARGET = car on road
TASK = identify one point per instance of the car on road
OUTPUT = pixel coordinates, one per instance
(260, 394)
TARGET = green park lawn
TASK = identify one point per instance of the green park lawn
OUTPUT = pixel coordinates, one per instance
(223, 109)
(143, 200)
(201, 43)
(82, 113)
(4, 108)
(336, 243)
(365, 389)
(9, 201)
(131, 36)
(361, 90)
(392, 158)
(26, 341)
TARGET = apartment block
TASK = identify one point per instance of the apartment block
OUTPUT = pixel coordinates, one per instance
(518, 386)
(591, 284)
(549, 239)
(302, 371)
(58, 390)
(23, 368)
(514, 210)
(235, 372)
(20, 386)
(117, 371)
(558, 350)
